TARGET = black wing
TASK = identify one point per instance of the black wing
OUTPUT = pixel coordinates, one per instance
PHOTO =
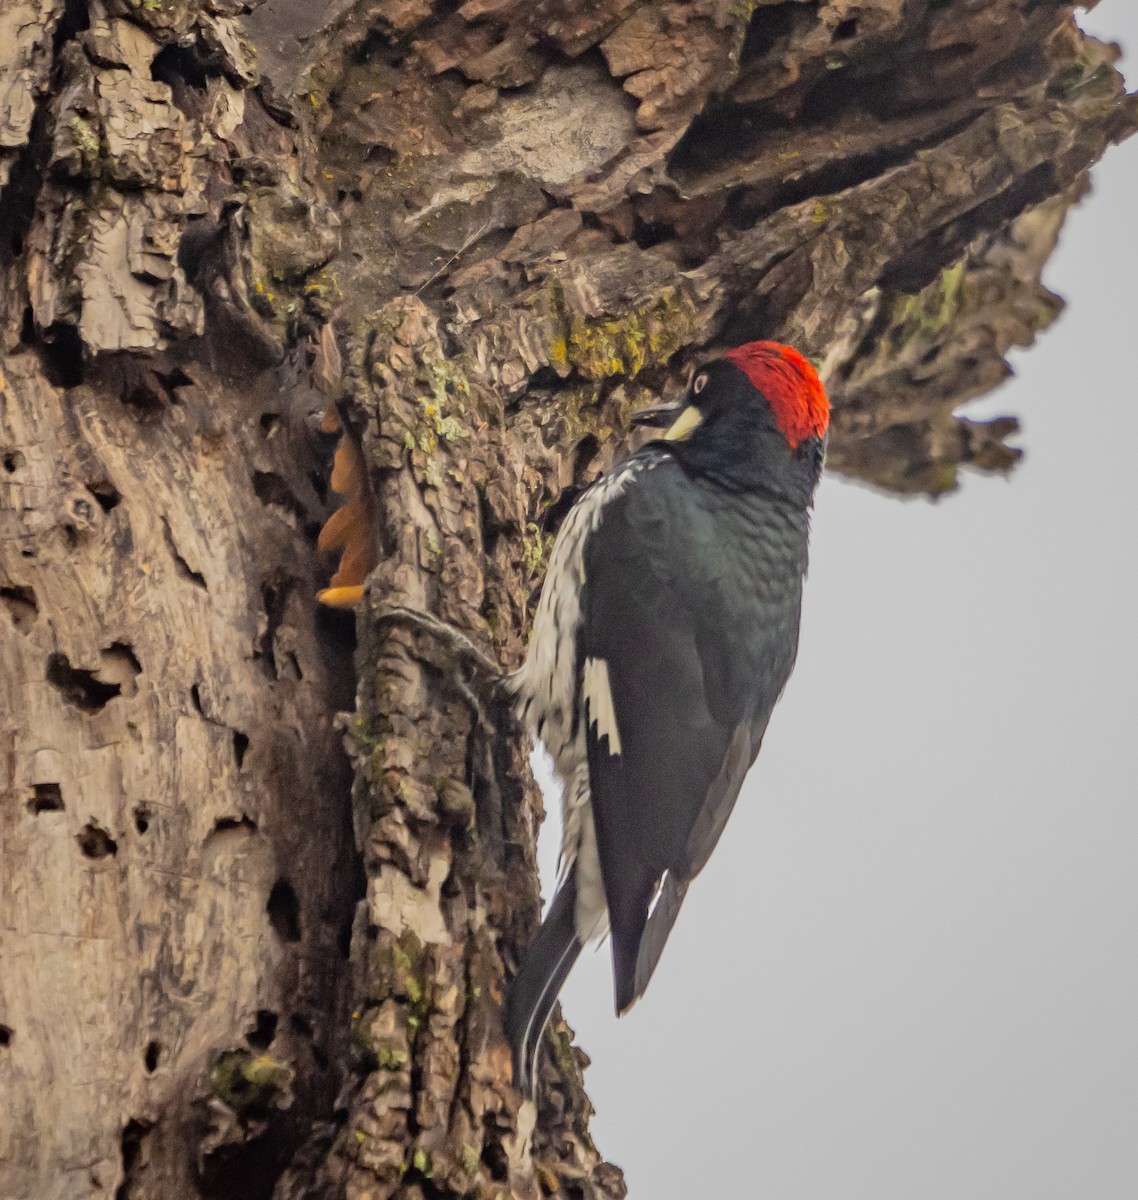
(683, 639)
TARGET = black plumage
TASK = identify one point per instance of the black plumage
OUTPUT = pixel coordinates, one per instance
(667, 630)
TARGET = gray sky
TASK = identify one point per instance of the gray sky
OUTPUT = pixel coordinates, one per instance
(910, 970)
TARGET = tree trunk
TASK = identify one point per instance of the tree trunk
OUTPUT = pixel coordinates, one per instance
(236, 961)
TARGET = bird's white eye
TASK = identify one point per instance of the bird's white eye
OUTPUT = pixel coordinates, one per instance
(699, 383)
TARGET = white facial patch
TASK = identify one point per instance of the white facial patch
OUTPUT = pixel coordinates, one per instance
(685, 425)
(598, 696)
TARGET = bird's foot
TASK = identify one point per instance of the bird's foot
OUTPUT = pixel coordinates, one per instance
(482, 684)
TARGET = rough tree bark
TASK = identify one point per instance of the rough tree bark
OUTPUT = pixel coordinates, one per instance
(236, 961)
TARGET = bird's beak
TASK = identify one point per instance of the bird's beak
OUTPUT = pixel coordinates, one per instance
(681, 420)
(657, 416)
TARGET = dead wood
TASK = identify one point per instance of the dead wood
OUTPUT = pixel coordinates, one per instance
(475, 236)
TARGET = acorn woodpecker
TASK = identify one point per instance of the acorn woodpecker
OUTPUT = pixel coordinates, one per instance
(666, 631)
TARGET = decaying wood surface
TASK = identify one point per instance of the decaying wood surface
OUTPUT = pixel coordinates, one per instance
(479, 233)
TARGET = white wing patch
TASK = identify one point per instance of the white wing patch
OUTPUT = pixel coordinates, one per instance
(598, 696)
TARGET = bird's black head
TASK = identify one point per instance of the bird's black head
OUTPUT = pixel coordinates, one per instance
(755, 418)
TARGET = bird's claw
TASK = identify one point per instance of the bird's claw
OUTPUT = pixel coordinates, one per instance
(485, 689)
(482, 686)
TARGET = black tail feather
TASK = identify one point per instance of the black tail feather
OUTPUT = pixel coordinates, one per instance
(656, 934)
(639, 930)
(534, 989)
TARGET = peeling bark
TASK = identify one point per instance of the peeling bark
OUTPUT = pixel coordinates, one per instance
(469, 239)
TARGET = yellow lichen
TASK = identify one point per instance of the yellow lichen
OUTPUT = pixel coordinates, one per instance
(536, 548)
(624, 344)
(926, 313)
(86, 139)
